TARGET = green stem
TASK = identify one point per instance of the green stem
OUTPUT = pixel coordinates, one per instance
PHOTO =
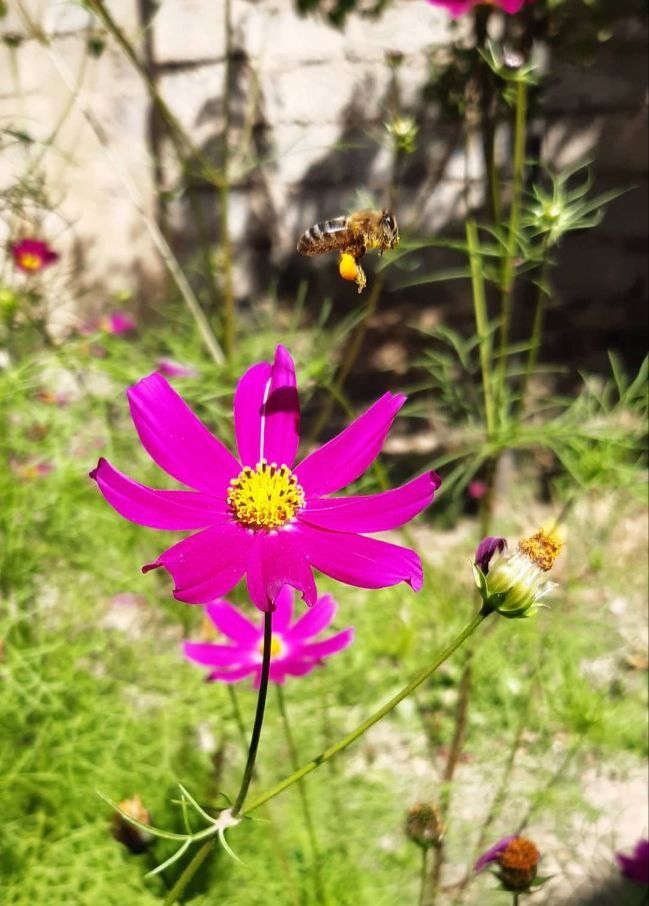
(259, 715)
(321, 897)
(192, 867)
(509, 261)
(224, 196)
(342, 744)
(515, 899)
(537, 332)
(188, 873)
(423, 876)
(482, 326)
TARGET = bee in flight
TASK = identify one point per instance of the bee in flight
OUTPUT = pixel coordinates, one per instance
(352, 236)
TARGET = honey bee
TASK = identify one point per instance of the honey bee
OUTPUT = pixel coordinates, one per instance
(352, 236)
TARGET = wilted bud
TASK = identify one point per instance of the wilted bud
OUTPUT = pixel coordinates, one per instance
(424, 825)
(516, 860)
(133, 838)
(516, 582)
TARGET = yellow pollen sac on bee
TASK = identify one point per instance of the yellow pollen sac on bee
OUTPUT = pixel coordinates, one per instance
(265, 497)
(347, 267)
(543, 548)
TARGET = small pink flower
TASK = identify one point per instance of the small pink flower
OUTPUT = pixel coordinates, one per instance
(636, 866)
(31, 470)
(477, 489)
(118, 322)
(169, 368)
(293, 651)
(257, 514)
(461, 7)
(32, 255)
(492, 854)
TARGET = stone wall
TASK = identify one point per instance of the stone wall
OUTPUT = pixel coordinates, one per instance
(306, 108)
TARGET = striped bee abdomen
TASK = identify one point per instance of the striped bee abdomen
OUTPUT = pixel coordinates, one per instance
(323, 237)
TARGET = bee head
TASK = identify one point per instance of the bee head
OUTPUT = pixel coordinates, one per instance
(390, 229)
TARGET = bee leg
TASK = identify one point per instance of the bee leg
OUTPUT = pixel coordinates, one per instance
(361, 279)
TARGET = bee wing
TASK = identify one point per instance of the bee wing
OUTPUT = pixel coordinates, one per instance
(327, 236)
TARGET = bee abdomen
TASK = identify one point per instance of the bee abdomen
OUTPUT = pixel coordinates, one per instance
(321, 236)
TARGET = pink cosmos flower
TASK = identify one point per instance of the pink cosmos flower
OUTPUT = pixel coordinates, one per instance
(32, 255)
(118, 322)
(477, 489)
(169, 368)
(460, 7)
(293, 653)
(636, 866)
(257, 514)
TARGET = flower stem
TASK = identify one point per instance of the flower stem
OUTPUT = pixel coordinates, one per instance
(321, 897)
(423, 876)
(343, 743)
(537, 331)
(508, 267)
(190, 870)
(482, 327)
(259, 715)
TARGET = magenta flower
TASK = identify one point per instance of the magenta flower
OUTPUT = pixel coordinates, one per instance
(293, 653)
(169, 368)
(257, 515)
(477, 489)
(118, 322)
(461, 7)
(32, 255)
(636, 866)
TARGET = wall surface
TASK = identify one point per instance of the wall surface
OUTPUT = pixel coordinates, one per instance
(306, 107)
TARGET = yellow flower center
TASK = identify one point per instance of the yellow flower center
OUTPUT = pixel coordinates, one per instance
(543, 548)
(276, 646)
(265, 497)
(30, 261)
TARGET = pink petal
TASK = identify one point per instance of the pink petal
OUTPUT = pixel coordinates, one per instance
(346, 456)
(335, 643)
(276, 560)
(375, 512)
(248, 404)
(233, 675)
(233, 623)
(212, 655)
(298, 667)
(360, 561)
(173, 510)
(267, 412)
(208, 564)
(280, 421)
(283, 613)
(177, 440)
(315, 620)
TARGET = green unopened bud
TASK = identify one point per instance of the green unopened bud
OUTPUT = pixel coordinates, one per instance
(424, 825)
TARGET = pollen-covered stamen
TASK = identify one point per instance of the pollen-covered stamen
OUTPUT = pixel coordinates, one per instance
(265, 497)
(543, 548)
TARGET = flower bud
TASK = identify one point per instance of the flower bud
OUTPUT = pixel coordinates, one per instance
(424, 825)
(516, 860)
(133, 838)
